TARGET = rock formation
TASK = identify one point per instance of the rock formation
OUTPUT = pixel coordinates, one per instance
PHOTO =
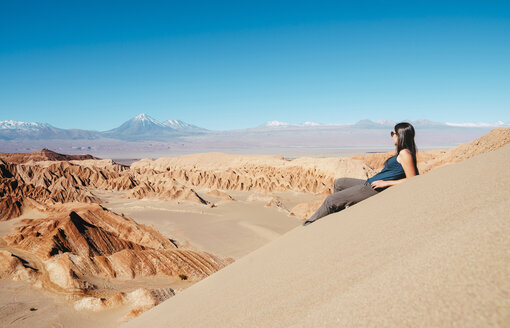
(57, 182)
(79, 245)
(41, 155)
(254, 173)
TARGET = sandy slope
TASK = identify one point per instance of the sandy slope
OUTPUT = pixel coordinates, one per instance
(431, 252)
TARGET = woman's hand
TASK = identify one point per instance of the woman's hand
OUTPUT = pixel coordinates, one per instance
(379, 184)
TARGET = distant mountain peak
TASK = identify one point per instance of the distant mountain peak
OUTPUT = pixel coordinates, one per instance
(280, 124)
(146, 119)
(20, 125)
(386, 122)
(276, 123)
(369, 124)
(143, 116)
(144, 127)
(478, 124)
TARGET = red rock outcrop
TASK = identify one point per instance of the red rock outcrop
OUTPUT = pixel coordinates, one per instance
(304, 210)
(10, 207)
(57, 182)
(80, 243)
(41, 155)
(220, 194)
(164, 188)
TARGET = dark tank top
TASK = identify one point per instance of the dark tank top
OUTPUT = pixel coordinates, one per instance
(392, 170)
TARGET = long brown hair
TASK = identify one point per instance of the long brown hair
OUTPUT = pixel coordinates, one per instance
(405, 133)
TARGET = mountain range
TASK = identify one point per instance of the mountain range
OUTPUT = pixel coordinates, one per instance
(369, 124)
(140, 128)
(143, 136)
(145, 128)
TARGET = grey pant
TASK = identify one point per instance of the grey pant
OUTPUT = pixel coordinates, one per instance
(347, 192)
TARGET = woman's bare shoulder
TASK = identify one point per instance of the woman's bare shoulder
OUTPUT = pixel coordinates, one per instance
(404, 155)
(405, 152)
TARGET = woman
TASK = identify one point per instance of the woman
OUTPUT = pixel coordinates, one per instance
(397, 169)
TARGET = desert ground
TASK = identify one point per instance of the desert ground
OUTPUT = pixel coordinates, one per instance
(87, 241)
(232, 228)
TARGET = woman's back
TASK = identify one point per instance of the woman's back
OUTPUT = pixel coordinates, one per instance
(392, 170)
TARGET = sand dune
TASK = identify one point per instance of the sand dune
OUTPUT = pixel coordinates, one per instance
(432, 252)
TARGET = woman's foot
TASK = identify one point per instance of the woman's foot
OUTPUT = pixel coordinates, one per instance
(307, 222)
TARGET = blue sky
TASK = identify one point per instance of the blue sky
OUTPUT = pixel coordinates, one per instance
(225, 65)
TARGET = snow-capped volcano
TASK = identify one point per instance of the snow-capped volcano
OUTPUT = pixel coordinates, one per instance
(144, 127)
(141, 126)
(145, 120)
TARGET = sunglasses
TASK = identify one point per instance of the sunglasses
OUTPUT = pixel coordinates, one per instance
(393, 133)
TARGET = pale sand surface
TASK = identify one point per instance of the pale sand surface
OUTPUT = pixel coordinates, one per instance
(431, 252)
(232, 228)
(17, 298)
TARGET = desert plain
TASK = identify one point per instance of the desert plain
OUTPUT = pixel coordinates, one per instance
(215, 239)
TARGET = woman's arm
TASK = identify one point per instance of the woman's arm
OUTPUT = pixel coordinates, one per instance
(408, 166)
